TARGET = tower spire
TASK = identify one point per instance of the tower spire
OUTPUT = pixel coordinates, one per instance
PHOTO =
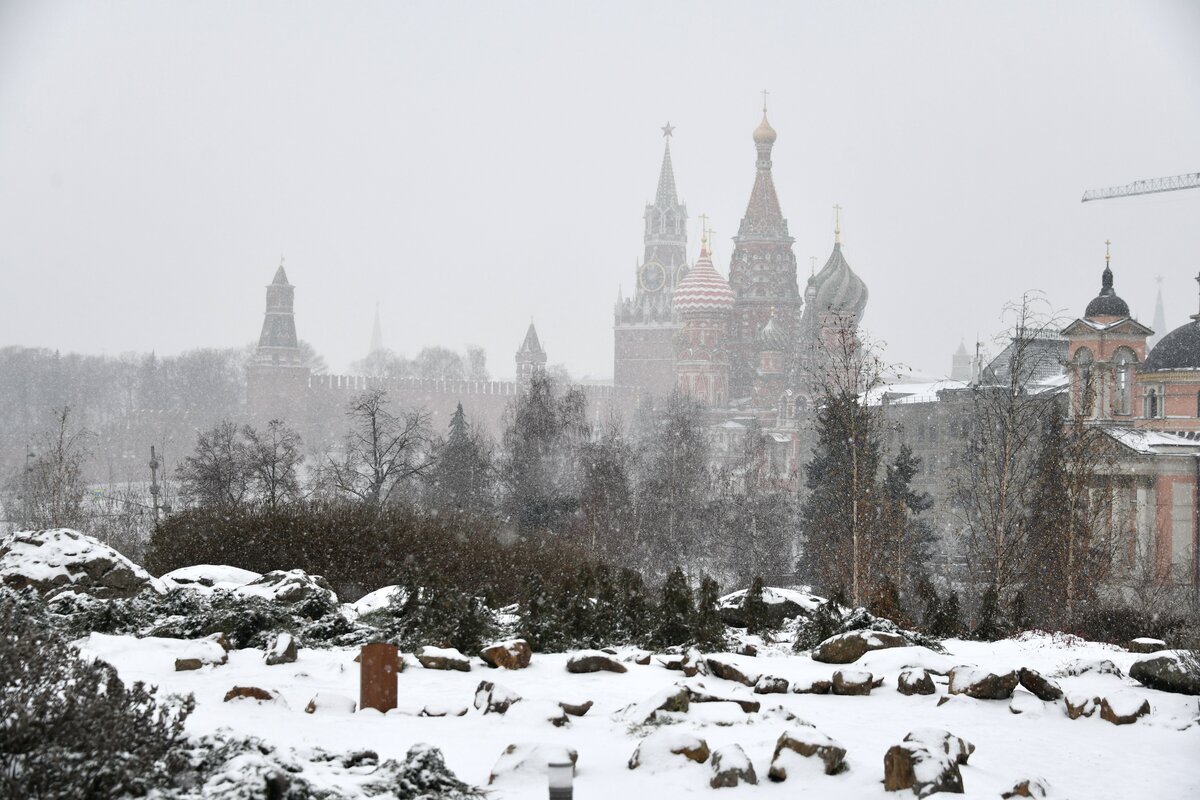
(666, 194)
(837, 224)
(376, 333)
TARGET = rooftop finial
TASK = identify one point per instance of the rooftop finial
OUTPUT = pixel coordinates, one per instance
(812, 265)
(764, 94)
(667, 130)
(1107, 251)
(837, 224)
(704, 234)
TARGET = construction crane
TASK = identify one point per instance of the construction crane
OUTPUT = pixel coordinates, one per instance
(1175, 182)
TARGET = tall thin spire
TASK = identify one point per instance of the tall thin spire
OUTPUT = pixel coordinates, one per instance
(666, 194)
(837, 224)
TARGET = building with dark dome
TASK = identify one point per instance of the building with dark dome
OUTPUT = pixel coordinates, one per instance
(1149, 404)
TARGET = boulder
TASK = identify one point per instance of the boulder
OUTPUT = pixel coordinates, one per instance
(1025, 703)
(1171, 672)
(769, 684)
(731, 767)
(1124, 708)
(250, 693)
(1086, 666)
(1080, 705)
(1144, 644)
(665, 745)
(1029, 787)
(699, 693)
(530, 757)
(852, 682)
(330, 703)
(806, 742)
(576, 709)
(291, 586)
(205, 578)
(1039, 686)
(443, 658)
(955, 747)
(681, 663)
(672, 700)
(846, 648)
(726, 670)
(594, 661)
(781, 604)
(492, 698)
(198, 653)
(282, 649)
(981, 684)
(51, 560)
(926, 762)
(813, 687)
(641, 658)
(538, 712)
(748, 649)
(511, 654)
(915, 681)
(443, 710)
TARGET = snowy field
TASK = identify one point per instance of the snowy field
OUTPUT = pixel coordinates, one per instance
(1158, 756)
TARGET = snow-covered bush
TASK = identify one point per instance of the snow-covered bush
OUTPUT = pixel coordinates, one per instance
(69, 727)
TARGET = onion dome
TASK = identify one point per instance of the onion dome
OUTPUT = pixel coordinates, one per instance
(838, 289)
(764, 133)
(1178, 350)
(1107, 304)
(772, 336)
(703, 290)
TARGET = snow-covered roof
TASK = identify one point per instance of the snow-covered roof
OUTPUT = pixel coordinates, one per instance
(911, 392)
(1154, 442)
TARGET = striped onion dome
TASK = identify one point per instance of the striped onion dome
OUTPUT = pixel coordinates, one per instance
(703, 289)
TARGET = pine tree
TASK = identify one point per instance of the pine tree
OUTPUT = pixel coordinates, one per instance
(460, 480)
(540, 624)
(635, 614)
(904, 542)
(676, 614)
(709, 630)
(755, 610)
(990, 626)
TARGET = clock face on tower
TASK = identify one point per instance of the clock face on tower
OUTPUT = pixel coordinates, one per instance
(652, 276)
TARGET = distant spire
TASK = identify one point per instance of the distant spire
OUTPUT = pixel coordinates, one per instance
(837, 224)
(763, 218)
(704, 232)
(280, 278)
(376, 333)
(666, 194)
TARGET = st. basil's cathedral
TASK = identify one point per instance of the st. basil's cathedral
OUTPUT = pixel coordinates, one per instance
(744, 346)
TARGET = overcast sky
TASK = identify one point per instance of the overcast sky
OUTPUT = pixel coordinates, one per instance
(470, 166)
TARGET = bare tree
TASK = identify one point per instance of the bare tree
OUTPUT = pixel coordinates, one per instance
(51, 491)
(381, 451)
(995, 484)
(273, 459)
(216, 473)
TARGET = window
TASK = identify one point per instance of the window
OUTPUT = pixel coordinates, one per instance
(1085, 382)
(1152, 404)
(1124, 361)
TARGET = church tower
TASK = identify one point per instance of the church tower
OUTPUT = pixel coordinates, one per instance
(703, 302)
(277, 377)
(531, 358)
(762, 271)
(644, 325)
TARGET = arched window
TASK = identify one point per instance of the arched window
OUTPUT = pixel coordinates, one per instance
(1124, 362)
(1086, 382)
(1152, 404)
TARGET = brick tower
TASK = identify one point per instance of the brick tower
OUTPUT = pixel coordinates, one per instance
(277, 377)
(644, 325)
(531, 358)
(762, 271)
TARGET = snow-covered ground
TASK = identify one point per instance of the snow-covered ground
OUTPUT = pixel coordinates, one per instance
(1158, 756)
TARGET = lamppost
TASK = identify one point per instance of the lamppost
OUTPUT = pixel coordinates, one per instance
(561, 776)
(154, 488)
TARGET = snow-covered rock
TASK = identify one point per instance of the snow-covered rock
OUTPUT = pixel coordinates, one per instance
(781, 604)
(207, 578)
(915, 681)
(727, 668)
(290, 586)
(731, 767)
(377, 600)
(493, 698)
(1145, 644)
(1040, 686)
(443, 658)
(536, 713)
(1123, 707)
(1028, 787)
(926, 761)
(671, 700)
(330, 703)
(846, 648)
(594, 661)
(666, 747)
(802, 743)
(1170, 671)
(59, 558)
(529, 757)
(251, 693)
(510, 654)
(1089, 666)
(282, 649)
(852, 682)
(199, 653)
(981, 684)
